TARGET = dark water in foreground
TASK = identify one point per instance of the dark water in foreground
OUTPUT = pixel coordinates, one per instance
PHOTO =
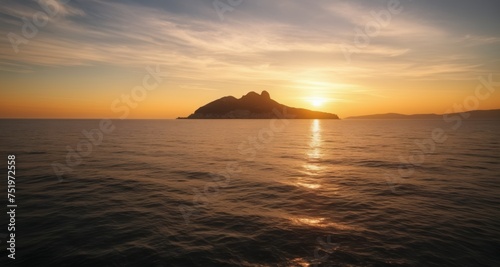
(216, 193)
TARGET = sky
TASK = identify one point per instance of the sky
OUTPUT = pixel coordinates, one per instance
(95, 58)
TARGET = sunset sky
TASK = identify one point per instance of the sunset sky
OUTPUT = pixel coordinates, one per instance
(86, 54)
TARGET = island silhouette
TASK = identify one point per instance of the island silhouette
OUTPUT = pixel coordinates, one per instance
(493, 114)
(254, 106)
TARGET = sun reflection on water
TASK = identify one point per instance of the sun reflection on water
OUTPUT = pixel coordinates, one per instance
(299, 262)
(315, 144)
(319, 223)
(311, 167)
(309, 186)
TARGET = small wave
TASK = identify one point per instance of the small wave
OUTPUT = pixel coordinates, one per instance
(195, 174)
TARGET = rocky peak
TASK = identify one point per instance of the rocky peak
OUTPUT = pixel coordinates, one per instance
(265, 95)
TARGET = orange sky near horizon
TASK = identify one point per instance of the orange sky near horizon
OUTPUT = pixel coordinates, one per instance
(168, 103)
(426, 58)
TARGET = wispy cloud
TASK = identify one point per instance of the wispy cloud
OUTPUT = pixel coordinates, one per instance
(244, 48)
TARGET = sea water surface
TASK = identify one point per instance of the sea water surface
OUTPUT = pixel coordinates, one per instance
(255, 193)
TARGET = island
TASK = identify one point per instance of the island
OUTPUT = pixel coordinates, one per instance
(493, 114)
(254, 106)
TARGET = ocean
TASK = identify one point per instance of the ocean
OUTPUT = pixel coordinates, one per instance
(253, 193)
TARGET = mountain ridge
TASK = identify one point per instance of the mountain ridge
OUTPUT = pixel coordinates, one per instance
(254, 106)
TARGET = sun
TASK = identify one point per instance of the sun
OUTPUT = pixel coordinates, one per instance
(317, 101)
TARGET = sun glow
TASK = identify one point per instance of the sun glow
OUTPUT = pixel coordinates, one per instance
(317, 101)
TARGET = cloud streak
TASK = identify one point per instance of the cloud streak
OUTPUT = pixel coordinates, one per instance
(249, 45)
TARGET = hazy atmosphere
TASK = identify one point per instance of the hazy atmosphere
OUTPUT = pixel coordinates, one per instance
(250, 133)
(73, 59)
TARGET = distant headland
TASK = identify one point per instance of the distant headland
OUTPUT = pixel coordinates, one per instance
(493, 114)
(254, 106)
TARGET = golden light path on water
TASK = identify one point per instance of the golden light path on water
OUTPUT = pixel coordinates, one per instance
(311, 167)
(312, 180)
